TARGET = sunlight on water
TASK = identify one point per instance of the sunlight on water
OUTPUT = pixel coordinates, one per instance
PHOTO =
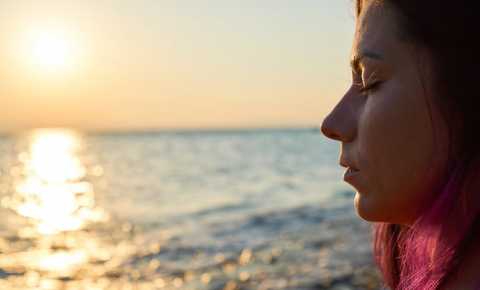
(51, 191)
(126, 212)
(62, 260)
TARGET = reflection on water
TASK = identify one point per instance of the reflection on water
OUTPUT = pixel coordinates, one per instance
(51, 191)
(60, 235)
(171, 213)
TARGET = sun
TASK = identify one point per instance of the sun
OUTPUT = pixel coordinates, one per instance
(51, 51)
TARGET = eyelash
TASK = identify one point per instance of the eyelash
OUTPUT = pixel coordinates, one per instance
(370, 88)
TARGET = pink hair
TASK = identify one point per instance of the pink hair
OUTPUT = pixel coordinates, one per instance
(421, 256)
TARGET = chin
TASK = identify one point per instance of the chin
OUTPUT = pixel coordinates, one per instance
(366, 210)
(377, 213)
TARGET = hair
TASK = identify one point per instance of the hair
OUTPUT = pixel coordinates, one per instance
(422, 255)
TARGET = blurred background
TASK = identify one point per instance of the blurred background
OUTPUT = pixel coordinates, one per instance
(176, 145)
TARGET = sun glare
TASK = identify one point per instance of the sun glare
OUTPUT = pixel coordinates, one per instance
(51, 50)
(53, 191)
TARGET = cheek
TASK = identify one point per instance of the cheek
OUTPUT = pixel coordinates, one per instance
(394, 147)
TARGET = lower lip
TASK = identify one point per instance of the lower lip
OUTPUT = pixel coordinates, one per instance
(350, 174)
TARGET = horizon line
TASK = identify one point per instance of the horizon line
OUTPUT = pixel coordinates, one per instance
(153, 130)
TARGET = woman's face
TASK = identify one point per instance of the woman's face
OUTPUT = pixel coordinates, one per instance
(386, 131)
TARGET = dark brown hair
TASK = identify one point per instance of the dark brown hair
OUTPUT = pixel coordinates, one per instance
(423, 255)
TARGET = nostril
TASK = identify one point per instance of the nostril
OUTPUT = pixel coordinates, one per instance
(338, 128)
(328, 132)
(333, 136)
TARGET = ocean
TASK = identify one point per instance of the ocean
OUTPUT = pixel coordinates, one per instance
(217, 210)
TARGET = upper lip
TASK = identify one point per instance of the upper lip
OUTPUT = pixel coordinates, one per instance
(346, 163)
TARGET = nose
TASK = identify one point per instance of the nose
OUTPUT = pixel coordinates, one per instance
(340, 124)
(330, 131)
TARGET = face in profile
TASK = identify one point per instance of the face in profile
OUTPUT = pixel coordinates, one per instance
(387, 123)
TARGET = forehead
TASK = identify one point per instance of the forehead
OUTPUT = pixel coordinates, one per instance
(375, 28)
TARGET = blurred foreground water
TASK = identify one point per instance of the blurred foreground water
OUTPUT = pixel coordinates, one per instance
(224, 210)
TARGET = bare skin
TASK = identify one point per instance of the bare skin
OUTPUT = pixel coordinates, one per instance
(391, 131)
(387, 132)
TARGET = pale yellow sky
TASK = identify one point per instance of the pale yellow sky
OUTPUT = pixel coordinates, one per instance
(157, 64)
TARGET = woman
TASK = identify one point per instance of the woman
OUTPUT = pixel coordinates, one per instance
(408, 132)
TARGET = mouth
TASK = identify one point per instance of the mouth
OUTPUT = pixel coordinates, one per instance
(345, 163)
(350, 174)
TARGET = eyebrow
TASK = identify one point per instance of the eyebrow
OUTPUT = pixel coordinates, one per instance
(357, 59)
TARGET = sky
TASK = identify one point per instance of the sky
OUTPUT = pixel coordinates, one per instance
(158, 64)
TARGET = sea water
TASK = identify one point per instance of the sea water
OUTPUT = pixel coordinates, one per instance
(223, 210)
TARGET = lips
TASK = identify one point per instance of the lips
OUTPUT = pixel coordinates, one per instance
(350, 175)
(348, 164)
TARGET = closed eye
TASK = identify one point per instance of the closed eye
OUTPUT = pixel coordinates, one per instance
(373, 85)
(370, 88)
